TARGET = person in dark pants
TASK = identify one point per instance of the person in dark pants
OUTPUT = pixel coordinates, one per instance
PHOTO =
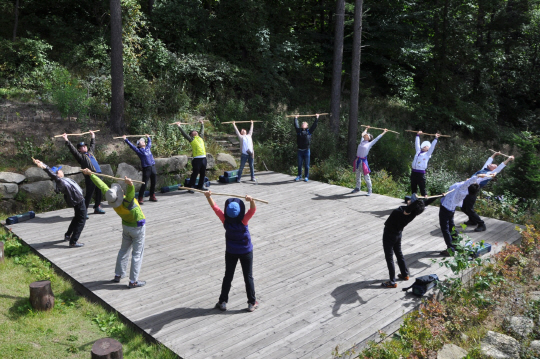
(238, 247)
(420, 163)
(303, 141)
(148, 165)
(469, 201)
(199, 155)
(85, 156)
(73, 196)
(393, 229)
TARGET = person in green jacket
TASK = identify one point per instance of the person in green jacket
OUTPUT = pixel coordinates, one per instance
(133, 227)
(199, 155)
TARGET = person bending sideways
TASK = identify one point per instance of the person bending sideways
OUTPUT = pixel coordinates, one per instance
(238, 247)
(393, 229)
(303, 140)
(361, 165)
(148, 165)
(133, 228)
(420, 163)
(73, 195)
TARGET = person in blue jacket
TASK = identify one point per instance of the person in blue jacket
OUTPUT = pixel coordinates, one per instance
(148, 165)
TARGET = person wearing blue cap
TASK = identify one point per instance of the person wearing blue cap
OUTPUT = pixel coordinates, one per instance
(73, 196)
(238, 247)
(393, 229)
(85, 156)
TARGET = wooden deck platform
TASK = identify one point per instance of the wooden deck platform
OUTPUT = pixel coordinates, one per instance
(318, 265)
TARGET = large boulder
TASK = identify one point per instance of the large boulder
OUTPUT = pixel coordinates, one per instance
(38, 190)
(106, 169)
(519, 327)
(500, 346)
(11, 177)
(171, 164)
(70, 170)
(11, 206)
(130, 172)
(210, 161)
(534, 347)
(227, 159)
(533, 296)
(8, 190)
(451, 351)
(35, 174)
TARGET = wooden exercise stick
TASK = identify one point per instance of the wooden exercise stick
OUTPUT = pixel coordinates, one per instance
(428, 134)
(377, 128)
(239, 122)
(320, 114)
(222, 194)
(437, 196)
(116, 178)
(502, 154)
(76, 134)
(133, 136)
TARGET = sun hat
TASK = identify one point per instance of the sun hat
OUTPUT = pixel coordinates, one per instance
(425, 143)
(115, 195)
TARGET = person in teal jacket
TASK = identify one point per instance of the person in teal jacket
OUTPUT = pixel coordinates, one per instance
(133, 227)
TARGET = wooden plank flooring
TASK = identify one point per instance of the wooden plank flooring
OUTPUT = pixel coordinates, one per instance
(318, 265)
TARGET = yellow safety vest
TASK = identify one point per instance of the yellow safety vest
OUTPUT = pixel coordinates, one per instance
(197, 146)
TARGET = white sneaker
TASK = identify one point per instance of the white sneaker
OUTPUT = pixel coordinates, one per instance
(221, 306)
(368, 194)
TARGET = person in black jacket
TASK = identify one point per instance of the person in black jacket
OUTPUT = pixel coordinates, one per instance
(393, 228)
(73, 195)
(303, 140)
(85, 156)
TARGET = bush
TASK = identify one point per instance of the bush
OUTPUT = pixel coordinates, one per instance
(67, 94)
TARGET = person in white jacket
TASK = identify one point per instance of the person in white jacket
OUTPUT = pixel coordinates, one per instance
(420, 163)
(246, 147)
(452, 199)
(360, 164)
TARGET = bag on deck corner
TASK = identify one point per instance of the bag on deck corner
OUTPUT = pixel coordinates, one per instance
(422, 284)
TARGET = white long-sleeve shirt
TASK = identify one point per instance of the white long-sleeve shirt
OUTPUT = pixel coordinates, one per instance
(421, 159)
(461, 190)
(246, 142)
(365, 146)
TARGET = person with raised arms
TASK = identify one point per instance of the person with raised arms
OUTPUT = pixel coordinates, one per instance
(198, 163)
(303, 141)
(133, 228)
(420, 163)
(148, 164)
(361, 166)
(246, 148)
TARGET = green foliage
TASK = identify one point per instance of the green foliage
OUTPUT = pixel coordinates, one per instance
(525, 171)
(67, 94)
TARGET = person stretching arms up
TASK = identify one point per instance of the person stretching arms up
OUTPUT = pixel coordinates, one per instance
(361, 164)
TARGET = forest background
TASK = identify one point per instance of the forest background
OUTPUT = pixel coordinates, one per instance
(468, 69)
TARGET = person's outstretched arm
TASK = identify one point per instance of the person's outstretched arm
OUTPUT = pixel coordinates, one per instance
(97, 181)
(149, 140)
(236, 130)
(314, 126)
(490, 160)
(186, 136)
(251, 129)
(433, 144)
(296, 125)
(377, 138)
(214, 206)
(128, 142)
(251, 212)
(92, 147)
(130, 190)
(201, 131)
(417, 142)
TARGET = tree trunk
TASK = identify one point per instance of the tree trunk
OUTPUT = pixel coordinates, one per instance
(355, 81)
(107, 348)
(336, 70)
(150, 7)
(117, 69)
(16, 20)
(41, 295)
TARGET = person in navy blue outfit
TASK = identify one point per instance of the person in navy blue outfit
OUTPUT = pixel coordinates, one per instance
(238, 247)
(303, 141)
(148, 165)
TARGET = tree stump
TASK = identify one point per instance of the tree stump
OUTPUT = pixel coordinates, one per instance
(41, 295)
(107, 348)
(1, 252)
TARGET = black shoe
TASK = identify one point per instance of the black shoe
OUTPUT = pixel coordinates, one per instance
(67, 238)
(116, 279)
(139, 283)
(445, 253)
(480, 228)
(76, 245)
(470, 223)
(190, 191)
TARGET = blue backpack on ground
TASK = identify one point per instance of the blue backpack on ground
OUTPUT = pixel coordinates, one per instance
(422, 284)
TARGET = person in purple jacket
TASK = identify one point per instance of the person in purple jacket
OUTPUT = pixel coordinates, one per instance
(238, 247)
(148, 166)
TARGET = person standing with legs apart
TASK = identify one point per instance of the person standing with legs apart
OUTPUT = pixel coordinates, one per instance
(133, 228)
(393, 229)
(199, 155)
(303, 140)
(451, 199)
(85, 156)
(470, 200)
(420, 163)
(148, 165)
(238, 247)
(361, 165)
(73, 195)
(246, 147)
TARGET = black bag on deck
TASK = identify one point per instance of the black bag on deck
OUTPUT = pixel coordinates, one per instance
(422, 284)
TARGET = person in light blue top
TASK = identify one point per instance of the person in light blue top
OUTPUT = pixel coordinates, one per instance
(148, 164)
(360, 164)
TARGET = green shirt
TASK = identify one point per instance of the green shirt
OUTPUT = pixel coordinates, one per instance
(130, 211)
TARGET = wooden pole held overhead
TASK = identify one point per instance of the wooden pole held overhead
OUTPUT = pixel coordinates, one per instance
(377, 128)
(181, 123)
(133, 136)
(76, 134)
(320, 114)
(223, 194)
(239, 122)
(427, 134)
(502, 154)
(116, 178)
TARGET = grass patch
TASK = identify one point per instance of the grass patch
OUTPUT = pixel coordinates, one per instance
(70, 328)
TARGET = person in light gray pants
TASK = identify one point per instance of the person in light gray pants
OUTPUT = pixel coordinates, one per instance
(131, 237)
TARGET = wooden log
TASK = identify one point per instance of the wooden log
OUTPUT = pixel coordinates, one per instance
(41, 295)
(107, 348)
(320, 114)
(1, 252)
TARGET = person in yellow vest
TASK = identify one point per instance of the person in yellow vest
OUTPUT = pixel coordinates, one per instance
(199, 155)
